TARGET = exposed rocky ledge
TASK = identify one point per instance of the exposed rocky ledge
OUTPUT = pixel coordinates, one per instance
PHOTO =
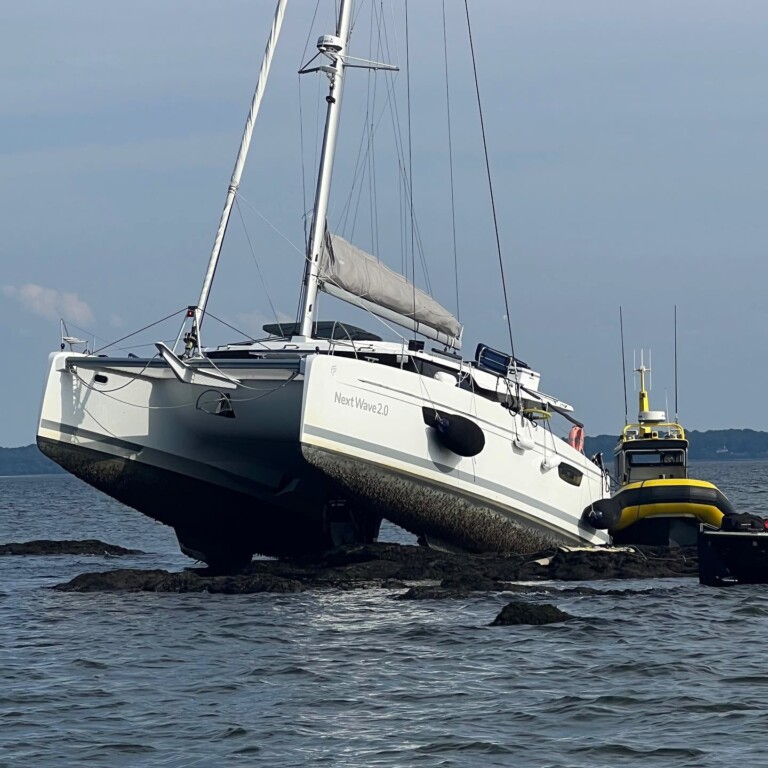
(518, 612)
(49, 547)
(395, 566)
(135, 580)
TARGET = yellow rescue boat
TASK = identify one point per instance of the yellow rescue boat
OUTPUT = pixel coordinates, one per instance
(656, 502)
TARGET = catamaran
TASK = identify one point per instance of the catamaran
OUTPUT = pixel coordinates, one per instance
(306, 439)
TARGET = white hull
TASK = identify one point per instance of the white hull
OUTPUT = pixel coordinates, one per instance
(230, 486)
(363, 425)
(306, 431)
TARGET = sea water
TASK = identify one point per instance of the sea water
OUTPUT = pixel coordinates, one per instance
(649, 673)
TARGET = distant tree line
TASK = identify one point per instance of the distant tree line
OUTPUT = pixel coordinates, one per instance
(26, 461)
(712, 445)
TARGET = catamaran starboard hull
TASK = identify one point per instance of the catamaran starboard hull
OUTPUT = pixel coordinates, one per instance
(364, 426)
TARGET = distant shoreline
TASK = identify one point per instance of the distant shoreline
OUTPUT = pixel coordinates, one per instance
(26, 460)
(713, 445)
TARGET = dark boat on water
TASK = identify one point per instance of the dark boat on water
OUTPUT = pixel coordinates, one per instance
(735, 554)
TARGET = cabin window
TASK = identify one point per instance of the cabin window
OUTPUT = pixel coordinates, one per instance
(656, 458)
(569, 474)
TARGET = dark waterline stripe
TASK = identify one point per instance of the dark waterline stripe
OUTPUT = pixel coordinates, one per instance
(88, 435)
(353, 442)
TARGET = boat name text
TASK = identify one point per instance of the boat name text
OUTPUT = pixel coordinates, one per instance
(378, 409)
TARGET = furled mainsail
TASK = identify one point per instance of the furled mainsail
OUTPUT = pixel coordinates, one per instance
(344, 268)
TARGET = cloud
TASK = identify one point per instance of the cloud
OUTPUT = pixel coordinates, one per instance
(50, 303)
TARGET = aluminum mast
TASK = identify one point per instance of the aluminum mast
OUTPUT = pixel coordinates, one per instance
(333, 47)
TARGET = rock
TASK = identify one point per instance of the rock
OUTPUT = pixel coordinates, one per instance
(638, 563)
(251, 585)
(133, 580)
(48, 547)
(470, 582)
(518, 612)
(431, 593)
(391, 566)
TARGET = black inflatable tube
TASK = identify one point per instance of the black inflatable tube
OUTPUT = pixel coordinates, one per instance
(606, 513)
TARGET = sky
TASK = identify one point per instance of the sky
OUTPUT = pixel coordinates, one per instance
(628, 145)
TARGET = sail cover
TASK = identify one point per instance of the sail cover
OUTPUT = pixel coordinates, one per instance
(347, 267)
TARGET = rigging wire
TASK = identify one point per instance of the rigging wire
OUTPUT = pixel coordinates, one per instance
(364, 167)
(255, 261)
(305, 258)
(365, 164)
(301, 128)
(303, 170)
(374, 189)
(623, 367)
(410, 153)
(394, 114)
(361, 162)
(232, 327)
(490, 187)
(65, 331)
(361, 166)
(309, 31)
(146, 327)
(450, 164)
(114, 389)
(272, 226)
(106, 393)
(675, 362)
(407, 207)
(370, 108)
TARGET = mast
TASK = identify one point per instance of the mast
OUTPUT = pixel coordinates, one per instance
(333, 47)
(198, 312)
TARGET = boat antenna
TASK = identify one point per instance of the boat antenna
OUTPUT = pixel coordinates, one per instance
(675, 362)
(623, 367)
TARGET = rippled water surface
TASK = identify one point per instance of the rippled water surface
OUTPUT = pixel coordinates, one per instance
(668, 673)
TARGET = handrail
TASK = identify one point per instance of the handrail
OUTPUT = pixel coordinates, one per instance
(653, 431)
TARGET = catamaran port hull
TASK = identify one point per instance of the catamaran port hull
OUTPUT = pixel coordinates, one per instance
(222, 467)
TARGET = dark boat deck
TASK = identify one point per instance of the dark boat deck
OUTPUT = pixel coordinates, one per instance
(733, 557)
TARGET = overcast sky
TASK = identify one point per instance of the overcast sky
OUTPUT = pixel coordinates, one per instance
(629, 148)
